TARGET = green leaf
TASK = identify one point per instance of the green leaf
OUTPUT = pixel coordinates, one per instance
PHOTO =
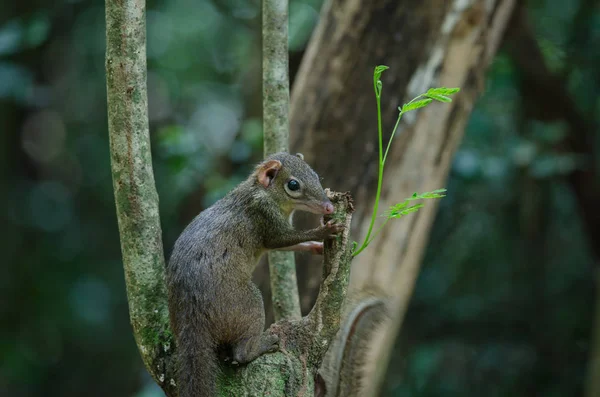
(415, 105)
(412, 208)
(437, 97)
(396, 212)
(442, 91)
(378, 71)
(396, 208)
(434, 194)
(402, 208)
(428, 195)
(399, 206)
(376, 79)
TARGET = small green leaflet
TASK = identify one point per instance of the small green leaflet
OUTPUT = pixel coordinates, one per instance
(438, 94)
(439, 193)
(441, 93)
(440, 98)
(399, 212)
(376, 76)
(402, 208)
(415, 105)
(378, 70)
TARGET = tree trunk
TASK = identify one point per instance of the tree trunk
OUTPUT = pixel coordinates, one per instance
(276, 102)
(333, 118)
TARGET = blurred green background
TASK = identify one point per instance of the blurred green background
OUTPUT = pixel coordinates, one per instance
(504, 304)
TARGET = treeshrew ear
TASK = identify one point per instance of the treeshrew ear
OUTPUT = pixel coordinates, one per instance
(300, 155)
(267, 171)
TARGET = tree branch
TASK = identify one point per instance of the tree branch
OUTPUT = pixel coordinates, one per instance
(276, 99)
(276, 87)
(133, 182)
(324, 318)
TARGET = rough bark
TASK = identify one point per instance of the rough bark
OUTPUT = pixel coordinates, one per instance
(133, 182)
(425, 43)
(276, 100)
(324, 317)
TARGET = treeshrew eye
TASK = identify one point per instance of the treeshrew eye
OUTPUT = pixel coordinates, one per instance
(293, 185)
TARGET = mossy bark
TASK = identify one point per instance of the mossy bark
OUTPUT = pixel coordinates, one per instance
(276, 101)
(133, 182)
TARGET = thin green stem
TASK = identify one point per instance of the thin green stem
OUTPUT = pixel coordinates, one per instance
(378, 230)
(396, 127)
(380, 175)
(387, 149)
(367, 242)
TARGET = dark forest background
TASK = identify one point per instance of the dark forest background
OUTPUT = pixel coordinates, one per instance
(505, 302)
